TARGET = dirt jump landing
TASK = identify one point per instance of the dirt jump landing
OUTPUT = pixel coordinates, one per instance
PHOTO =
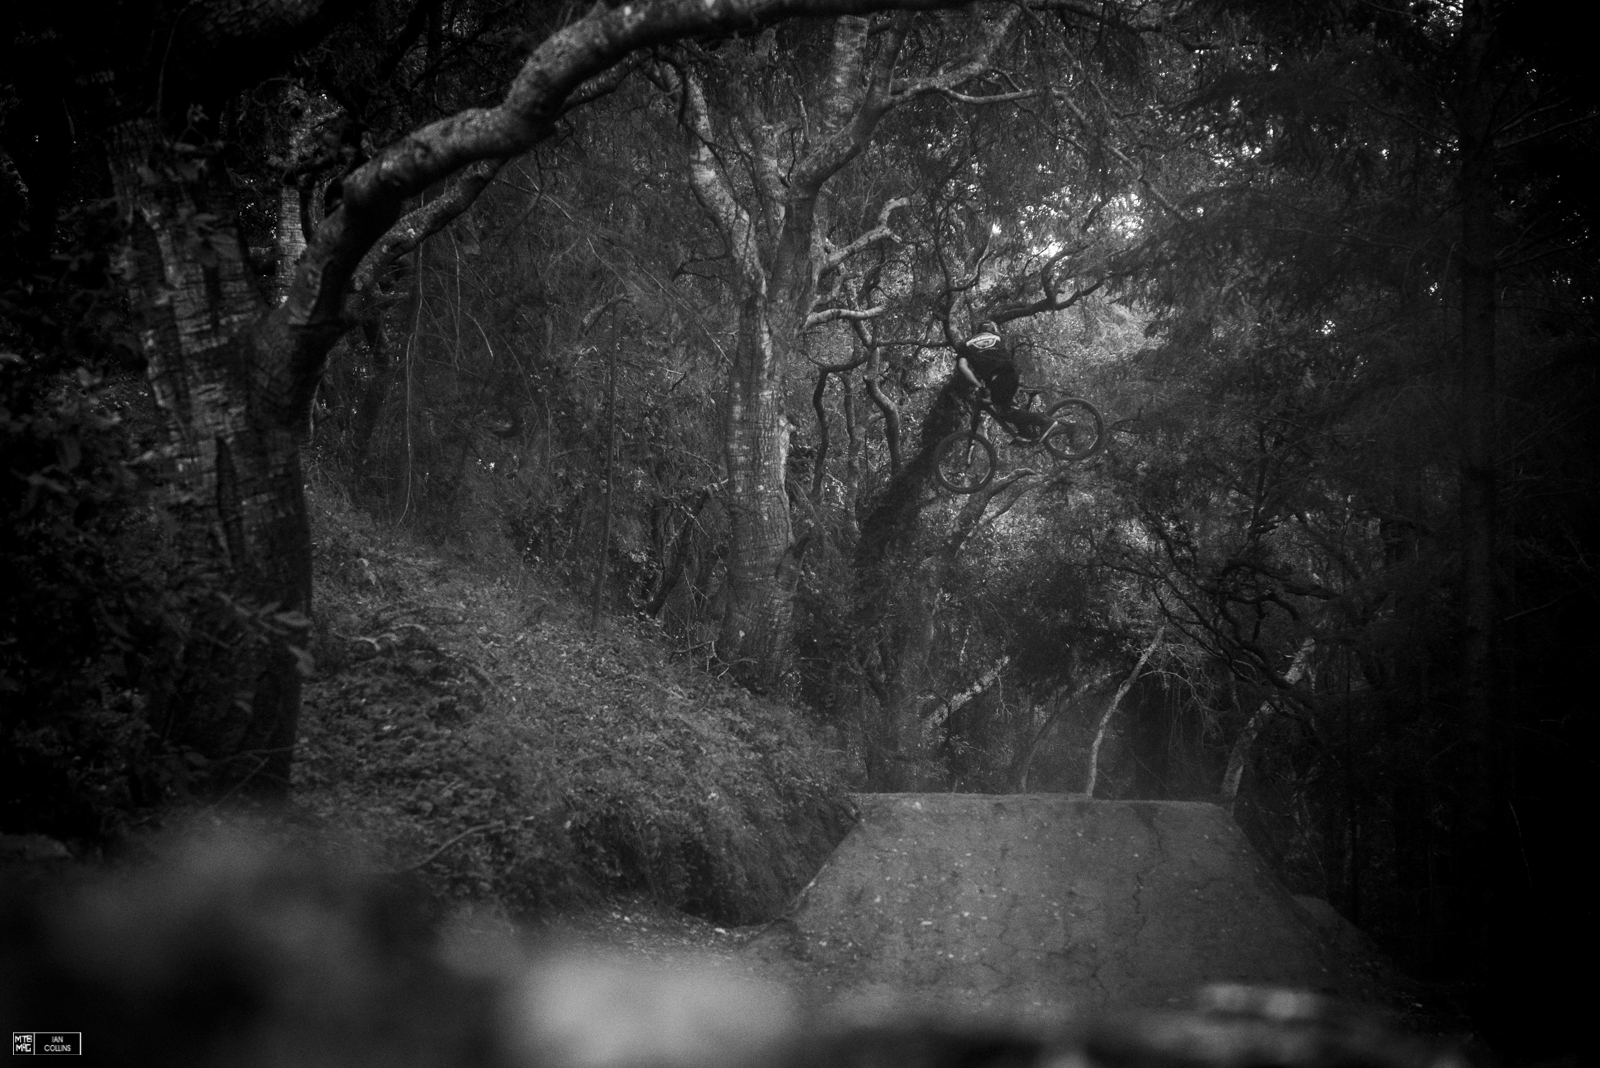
(1038, 906)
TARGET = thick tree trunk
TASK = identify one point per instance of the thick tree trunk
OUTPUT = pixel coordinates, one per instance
(235, 451)
(764, 561)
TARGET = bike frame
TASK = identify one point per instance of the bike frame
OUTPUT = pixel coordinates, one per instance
(981, 407)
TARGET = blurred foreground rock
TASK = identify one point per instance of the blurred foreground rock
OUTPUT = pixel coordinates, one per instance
(232, 952)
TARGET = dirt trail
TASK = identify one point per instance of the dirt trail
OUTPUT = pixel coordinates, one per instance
(1036, 906)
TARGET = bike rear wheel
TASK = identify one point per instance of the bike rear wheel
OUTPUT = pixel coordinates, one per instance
(1076, 429)
(965, 462)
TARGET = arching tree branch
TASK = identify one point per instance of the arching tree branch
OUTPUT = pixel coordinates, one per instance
(296, 336)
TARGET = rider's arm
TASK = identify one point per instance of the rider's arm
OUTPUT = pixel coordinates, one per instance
(966, 372)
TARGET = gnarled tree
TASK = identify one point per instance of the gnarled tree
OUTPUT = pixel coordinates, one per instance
(236, 373)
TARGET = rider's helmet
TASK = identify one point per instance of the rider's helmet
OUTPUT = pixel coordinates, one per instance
(988, 326)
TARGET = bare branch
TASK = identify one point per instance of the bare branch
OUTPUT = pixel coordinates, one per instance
(947, 295)
(1048, 302)
(1241, 746)
(877, 233)
(603, 84)
(997, 98)
(833, 315)
(711, 188)
(886, 405)
(980, 64)
(1111, 708)
(848, 139)
(304, 327)
(424, 222)
(940, 709)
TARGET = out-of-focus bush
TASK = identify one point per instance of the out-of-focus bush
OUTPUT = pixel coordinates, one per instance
(102, 605)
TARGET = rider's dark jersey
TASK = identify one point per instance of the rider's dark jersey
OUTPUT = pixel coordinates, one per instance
(987, 354)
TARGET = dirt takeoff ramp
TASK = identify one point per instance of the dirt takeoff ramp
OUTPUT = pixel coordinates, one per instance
(1035, 906)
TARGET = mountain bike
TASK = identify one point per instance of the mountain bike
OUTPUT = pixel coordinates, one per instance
(967, 460)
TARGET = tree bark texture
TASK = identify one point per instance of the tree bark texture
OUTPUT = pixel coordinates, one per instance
(234, 435)
(290, 239)
(764, 561)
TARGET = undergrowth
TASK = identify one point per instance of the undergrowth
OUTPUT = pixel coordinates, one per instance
(477, 731)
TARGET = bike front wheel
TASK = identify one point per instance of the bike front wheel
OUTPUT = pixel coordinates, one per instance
(1076, 429)
(965, 462)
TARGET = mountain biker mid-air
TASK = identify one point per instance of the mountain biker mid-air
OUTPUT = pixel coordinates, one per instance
(985, 361)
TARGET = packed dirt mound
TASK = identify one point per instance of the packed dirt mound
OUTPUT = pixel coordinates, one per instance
(1036, 906)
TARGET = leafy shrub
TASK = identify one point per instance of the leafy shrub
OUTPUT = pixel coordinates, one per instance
(75, 627)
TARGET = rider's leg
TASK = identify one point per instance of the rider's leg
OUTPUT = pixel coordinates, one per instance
(1003, 387)
(1029, 426)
